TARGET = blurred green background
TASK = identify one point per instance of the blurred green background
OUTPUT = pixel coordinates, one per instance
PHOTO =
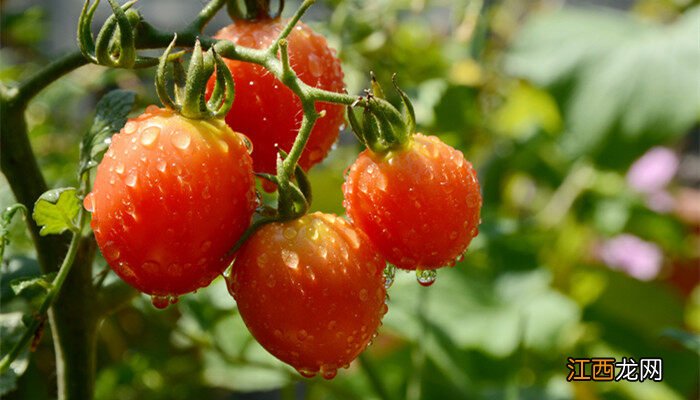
(582, 120)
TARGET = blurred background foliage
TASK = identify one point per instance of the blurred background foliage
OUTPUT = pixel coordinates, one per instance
(582, 120)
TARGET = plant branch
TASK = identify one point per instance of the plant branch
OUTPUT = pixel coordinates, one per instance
(56, 286)
(206, 15)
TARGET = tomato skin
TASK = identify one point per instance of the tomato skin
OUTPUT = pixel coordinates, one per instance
(311, 291)
(171, 196)
(266, 110)
(419, 205)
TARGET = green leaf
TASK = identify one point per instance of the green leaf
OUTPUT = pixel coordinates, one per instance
(623, 84)
(110, 117)
(56, 210)
(44, 282)
(11, 329)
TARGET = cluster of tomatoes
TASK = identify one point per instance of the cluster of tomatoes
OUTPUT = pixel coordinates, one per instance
(173, 195)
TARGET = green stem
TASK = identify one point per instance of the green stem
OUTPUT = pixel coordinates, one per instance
(206, 15)
(45, 76)
(56, 286)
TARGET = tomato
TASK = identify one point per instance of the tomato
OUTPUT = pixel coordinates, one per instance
(171, 197)
(311, 291)
(419, 205)
(266, 110)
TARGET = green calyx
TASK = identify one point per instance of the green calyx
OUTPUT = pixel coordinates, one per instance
(383, 128)
(115, 43)
(252, 10)
(190, 86)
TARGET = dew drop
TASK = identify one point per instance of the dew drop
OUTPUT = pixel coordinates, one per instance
(89, 202)
(160, 302)
(306, 372)
(248, 143)
(174, 299)
(328, 371)
(181, 140)
(149, 135)
(385, 309)
(111, 252)
(426, 277)
(130, 180)
(205, 246)
(223, 145)
(290, 258)
(290, 232)
(302, 335)
(315, 65)
(363, 295)
(150, 266)
(354, 239)
(312, 233)
(160, 164)
(389, 274)
(119, 168)
(152, 109)
(130, 127)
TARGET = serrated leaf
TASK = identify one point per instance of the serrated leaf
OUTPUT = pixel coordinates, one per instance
(11, 329)
(110, 117)
(56, 210)
(21, 284)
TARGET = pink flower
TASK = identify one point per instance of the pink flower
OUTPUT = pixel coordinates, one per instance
(637, 258)
(653, 171)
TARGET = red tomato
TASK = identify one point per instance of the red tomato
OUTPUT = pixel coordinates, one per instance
(419, 205)
(311, 291)
(171, 196)
(267, 111)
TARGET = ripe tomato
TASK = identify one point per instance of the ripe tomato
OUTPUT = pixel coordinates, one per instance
(419, 205)
(171, 196)
(266, 110)
(311, 291)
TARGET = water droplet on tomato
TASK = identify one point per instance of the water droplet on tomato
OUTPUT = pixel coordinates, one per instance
(426, 277)
(110, 251)
(271, 282)
(389, 274)
(160, 165)
(149, 135)
(302, 335)
(130, 127)
(152, 109)
(174, 299)
(385, 309)
(206, 245)
(131, 179)
(223, 145)
(160, 302)
(290, 258)
(181, 140)
(150, 266)
(89, 202)
(353, 238)
(248, 143)
(290, 232)
(312, 232)
(363, 295)
(315, 65)
(119, 168)
(306, 372)
(329, 371)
